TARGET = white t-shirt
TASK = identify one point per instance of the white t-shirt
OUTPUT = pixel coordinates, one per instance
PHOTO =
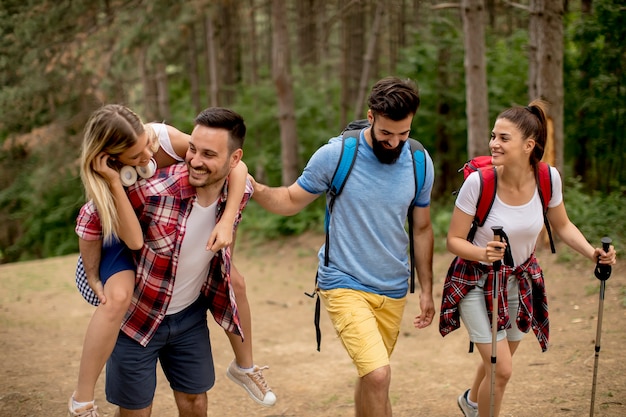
(193, 259)
(522, 223)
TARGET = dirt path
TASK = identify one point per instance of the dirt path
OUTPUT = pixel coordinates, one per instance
(43, 319)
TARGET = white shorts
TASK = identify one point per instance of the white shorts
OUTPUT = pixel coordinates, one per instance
(473, 311)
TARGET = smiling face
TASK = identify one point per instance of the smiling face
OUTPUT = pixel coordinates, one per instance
(209, 158)
(139, 154)
(388, 136)
(507, 144)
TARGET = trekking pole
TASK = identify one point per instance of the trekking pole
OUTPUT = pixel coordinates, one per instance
(602, 272)
(497, 235)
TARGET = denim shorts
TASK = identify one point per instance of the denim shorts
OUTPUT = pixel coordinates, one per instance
(116, 257)
(181, 344)
(473, 311)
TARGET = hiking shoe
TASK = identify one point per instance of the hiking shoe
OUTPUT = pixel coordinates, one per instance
(468, 410)
(90, 410)
(254, 383)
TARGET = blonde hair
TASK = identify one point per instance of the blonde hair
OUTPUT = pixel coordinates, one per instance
(112, 129)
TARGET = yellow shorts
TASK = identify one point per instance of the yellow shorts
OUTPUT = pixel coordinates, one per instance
(367, 324)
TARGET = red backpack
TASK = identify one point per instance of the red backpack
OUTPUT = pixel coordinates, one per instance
(488, 186)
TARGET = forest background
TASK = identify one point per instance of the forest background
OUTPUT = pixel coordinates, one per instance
(298, 71)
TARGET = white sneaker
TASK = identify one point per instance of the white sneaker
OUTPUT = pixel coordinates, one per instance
(90, 410)
(468, 410)
(254, 383)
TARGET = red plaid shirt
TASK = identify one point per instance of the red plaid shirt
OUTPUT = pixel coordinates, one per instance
(533, 307)
(163, 204)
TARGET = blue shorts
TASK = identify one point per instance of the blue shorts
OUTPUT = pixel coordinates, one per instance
(181, 344)
(115, 257)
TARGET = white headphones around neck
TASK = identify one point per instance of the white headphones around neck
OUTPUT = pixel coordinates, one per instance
(128, 174)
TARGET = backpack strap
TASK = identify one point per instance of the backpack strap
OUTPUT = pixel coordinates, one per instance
(544, 182)
(349, 148)
(419, 174)
(486, 197)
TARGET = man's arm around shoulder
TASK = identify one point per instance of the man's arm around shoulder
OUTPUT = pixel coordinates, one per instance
(285, 201)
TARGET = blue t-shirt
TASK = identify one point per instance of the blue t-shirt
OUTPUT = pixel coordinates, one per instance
(368, 239)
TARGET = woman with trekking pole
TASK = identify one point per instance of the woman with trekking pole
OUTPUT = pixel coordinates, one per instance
(517, 145)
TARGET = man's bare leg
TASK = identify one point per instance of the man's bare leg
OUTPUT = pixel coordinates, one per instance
(191, 405)
(371, 397)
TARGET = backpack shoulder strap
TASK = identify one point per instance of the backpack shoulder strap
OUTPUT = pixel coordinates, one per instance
(486, 197)
(350, 145)
(488, 187)
(544, 182)
(349, 148)
(419, 166)
(419, 173)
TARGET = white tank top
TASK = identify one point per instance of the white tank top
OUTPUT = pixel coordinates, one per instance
(164, 140)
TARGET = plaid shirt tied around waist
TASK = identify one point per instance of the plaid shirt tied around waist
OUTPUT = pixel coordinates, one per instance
(463, 276)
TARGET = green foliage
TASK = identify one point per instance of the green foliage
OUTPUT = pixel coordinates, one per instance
(595, 99)
(595, 214)
(435, 63)
(440, 216)
(44, 201)
(59, 59)
(507, 69)
(317, 121)
(259, 224)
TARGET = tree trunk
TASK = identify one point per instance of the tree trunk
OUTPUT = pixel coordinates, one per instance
(476, 106)
(550, 74)
(163, 96)
(149, 90)
(192, 70)
(211, 59)
(352, 34)
(443, 141)
(228, 48)
(284, 89)
(533, 54)
(253, 74)
(307, 32)
(253, 45)
(581, 160)
(368, 60)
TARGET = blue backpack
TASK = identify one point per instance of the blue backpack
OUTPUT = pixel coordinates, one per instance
(349, 150)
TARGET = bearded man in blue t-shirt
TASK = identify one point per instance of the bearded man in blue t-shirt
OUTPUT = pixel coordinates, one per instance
(364, 283)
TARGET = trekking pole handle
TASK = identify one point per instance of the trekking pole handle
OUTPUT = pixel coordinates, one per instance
(603, 271)
(498, 234)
